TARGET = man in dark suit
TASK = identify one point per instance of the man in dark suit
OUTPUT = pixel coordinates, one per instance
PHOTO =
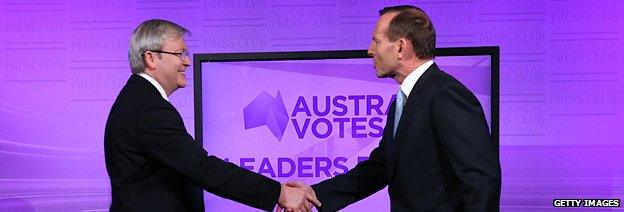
(153, 163)
(436, 153)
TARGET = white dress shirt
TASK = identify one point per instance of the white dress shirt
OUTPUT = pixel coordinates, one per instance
(410, 80)
(160, 89)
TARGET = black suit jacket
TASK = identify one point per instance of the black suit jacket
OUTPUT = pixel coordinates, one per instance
(155, 165)
(442, 159)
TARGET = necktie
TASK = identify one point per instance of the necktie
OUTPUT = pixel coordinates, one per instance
(400, 102)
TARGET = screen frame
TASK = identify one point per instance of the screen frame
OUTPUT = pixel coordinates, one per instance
(198, 59)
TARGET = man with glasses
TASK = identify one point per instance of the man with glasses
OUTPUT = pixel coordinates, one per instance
(153, 163)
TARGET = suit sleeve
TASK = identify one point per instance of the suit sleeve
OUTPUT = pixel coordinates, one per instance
(163, 136)
(363, 180)
(465, 137)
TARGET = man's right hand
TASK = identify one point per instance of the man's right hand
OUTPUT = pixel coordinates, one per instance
(295, 199)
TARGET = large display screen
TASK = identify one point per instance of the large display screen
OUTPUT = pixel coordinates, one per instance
(307, 119)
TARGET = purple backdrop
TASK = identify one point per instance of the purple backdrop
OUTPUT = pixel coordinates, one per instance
(63, 63)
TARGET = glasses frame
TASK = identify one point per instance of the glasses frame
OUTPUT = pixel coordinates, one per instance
(184, 54)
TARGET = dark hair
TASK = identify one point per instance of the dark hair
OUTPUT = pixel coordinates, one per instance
(413, 24)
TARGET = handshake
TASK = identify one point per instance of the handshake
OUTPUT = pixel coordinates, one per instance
(297, 196)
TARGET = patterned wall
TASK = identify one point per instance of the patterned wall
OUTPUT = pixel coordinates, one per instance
(63, 62)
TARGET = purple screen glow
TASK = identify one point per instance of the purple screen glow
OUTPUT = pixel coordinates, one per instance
(308, 120)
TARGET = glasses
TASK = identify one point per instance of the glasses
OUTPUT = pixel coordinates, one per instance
(184, 54)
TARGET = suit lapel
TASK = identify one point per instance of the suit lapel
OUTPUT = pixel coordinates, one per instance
(388, 129)
(406, 117)
(412, 101)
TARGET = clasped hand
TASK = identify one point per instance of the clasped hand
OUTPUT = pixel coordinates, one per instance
(296, 197)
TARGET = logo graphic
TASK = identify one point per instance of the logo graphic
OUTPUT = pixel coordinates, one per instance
(269, 111)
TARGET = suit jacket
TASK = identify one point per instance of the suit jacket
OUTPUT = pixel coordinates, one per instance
(155, 165)
(442, 159)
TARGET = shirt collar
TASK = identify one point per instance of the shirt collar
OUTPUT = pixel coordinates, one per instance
(160, 89)
(410, 80)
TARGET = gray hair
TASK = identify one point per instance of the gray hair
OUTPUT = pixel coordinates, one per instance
(151, 36)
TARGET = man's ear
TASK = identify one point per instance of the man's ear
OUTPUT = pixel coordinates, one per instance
(401, 49)
(405, 48)
(150, 60)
